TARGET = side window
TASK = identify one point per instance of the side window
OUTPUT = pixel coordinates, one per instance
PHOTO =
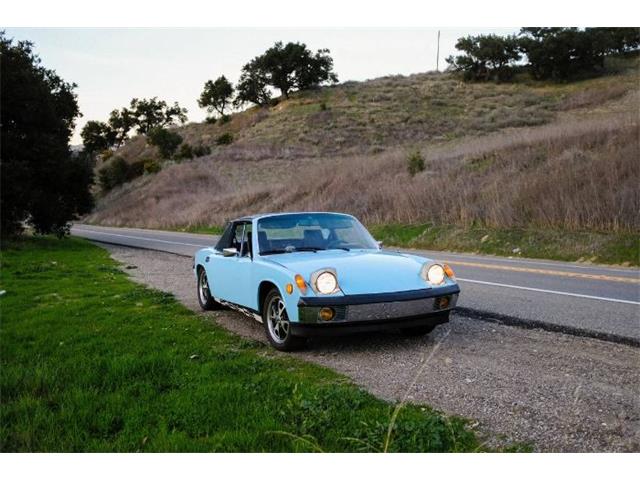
(246, 249)
(236, 236)
(226, 238)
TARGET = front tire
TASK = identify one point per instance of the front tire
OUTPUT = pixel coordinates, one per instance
(276, 324)
(205, 299)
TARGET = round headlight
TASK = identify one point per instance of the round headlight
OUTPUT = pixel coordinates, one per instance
(435, 275)
(326, 283)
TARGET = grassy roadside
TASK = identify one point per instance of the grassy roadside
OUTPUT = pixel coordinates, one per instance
(607, 248)
(93, 362)
(595, 247)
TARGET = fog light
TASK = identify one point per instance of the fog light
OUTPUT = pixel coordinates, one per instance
(326, 313)
(442, 303)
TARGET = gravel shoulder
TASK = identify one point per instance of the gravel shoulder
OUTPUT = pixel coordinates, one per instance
(555, 391)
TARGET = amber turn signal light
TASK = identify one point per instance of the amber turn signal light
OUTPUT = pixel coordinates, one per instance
(448, 270)
(302, 285)
(289, 288)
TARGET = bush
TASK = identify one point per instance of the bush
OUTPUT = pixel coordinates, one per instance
(118, 171)
(201, 150)
(323, 106)
(224, 119)
(114, 173)
(136, 169)
(166, 141)
(211, 120)
(415, 163)
(151, 166)
(224, 139)
(186, 151)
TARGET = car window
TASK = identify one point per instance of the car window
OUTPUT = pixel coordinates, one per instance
(226, 238)
(246, 246)
(232, 237)
(315, 231)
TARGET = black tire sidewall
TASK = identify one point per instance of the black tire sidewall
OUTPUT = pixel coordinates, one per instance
(210, 304)
(291, 342)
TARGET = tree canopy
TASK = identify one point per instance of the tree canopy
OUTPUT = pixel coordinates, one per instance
(487, 57)
(252, 86)
(555, 53)
(42, 183)
(294, 67)
(287, 68)
(216, 96)
(152, 113)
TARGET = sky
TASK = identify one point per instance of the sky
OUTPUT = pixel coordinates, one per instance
(112, 66)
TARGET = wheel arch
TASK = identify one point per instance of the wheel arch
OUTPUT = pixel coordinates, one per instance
(263, 290)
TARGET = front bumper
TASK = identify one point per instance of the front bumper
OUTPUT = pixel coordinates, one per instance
(371, 312)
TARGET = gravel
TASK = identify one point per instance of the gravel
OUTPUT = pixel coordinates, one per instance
(558, 392)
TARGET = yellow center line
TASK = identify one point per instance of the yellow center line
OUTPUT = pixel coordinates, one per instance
(541, 271)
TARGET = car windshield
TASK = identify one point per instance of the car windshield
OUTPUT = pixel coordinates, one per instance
(301, 232)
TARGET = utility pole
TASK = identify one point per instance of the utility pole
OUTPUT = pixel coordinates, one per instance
(438, 54)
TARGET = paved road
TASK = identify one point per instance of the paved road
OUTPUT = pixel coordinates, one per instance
(576, 298)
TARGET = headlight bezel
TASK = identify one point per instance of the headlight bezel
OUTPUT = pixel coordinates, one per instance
(317, 274)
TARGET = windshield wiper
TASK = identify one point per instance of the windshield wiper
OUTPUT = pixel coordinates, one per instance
(291, 250)
(277, 250)
(340, 248)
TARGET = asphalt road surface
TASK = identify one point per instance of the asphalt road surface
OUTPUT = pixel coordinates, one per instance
(591, 300)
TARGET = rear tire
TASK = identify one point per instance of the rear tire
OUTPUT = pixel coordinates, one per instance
(276, 324)
(206, 301)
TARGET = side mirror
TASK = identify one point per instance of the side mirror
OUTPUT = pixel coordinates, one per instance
(230, 252)
(380, 243)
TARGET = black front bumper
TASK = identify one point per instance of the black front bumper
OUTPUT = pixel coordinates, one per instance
(373, 312)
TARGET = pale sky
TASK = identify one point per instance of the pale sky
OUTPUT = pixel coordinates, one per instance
(112, 66)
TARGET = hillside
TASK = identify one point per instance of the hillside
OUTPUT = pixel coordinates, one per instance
(521, 155)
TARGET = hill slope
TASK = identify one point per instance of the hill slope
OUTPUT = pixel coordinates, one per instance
(523, 155)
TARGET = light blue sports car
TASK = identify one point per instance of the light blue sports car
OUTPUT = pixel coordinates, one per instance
(311, 274)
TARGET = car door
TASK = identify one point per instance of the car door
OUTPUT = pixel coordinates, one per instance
(232, 275)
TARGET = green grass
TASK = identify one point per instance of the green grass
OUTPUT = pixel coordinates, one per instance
(608, 248)
(206, 229)
(91, 361)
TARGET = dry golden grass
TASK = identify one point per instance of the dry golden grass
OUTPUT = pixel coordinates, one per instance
(519, 155)
(579, 174)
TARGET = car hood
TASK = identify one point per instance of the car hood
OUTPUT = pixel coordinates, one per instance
(360, 271)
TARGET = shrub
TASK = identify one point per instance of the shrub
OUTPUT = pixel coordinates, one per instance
(118, 171)
(201, 150)
(211, 120)
(166, 141)
(113, 174)
(415, 163)
(323, 106)
(186, 151)
(136, 169)
(224, 119)
(224, 139)
(151, 166)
